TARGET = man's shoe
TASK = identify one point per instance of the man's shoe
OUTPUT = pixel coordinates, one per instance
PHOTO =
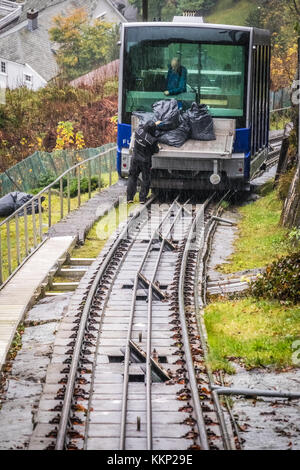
(130, 202)
(142, 202)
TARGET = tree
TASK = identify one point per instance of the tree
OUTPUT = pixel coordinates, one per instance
(82, 46)
(113, 38)
(204, 6)
(164, 9)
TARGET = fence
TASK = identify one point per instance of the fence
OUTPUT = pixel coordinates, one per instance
(26, 175)
(25, 230)
(280, 99)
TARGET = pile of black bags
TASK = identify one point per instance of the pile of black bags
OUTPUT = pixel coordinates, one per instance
(176, 127)
(13, 201)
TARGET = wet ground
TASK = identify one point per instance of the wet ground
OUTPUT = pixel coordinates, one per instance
(23, 387)
(268, 423)
(264, 423)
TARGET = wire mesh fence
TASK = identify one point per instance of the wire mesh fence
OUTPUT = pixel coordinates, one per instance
(26, 229)
(28, 174)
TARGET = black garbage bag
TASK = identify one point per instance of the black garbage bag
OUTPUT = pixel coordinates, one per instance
(178, 136)
(13, 201)
(143, 117)
(23, 198)
(168, 113)
(201, 122)
(7, 204)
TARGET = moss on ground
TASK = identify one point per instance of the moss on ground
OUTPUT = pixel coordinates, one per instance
(253, 333)
(260, 238)
(102, 231)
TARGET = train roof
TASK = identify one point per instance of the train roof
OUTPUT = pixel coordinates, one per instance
(260, 36)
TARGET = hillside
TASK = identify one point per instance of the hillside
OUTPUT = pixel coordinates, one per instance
(231, 12)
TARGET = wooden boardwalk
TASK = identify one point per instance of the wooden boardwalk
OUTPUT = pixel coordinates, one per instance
(20, 292)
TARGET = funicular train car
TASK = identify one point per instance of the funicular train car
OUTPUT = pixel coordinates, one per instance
(228, 69)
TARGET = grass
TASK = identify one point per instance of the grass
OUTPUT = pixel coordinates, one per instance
(279, 123)
(260, 238)
(231, 12)
(254, 333)
(55, 217)
(102, 230)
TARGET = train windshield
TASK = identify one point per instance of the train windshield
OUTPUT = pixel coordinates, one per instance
(192, 64)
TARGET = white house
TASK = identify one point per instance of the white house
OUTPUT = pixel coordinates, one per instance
(27, 56)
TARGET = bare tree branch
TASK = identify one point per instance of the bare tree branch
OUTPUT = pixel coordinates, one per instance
(297, 7)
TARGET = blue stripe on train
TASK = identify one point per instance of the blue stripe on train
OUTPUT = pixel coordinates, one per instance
(123, 140)
(242, 143)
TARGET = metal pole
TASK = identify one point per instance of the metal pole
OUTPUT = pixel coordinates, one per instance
(34, 224)
(49, 208)
(61, 196)
(298, 103)
(254, 392)
(99, 173)
(145, 10)
(68, 192)
(78, 187)
(26, 230)
(89, 179)
(18, 239)
(40, 218)
(1, 270)
(8, 247)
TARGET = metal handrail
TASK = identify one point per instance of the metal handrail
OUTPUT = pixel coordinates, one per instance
(38, 234)
(280, 109)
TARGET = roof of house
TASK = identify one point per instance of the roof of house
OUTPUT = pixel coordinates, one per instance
(34, 48)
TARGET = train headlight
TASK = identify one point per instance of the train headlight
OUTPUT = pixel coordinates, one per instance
(215, 178)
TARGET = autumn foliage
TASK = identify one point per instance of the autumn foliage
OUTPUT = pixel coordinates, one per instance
(58, 116)
(283, 66)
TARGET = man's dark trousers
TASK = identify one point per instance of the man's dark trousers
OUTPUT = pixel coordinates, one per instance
(137, 167)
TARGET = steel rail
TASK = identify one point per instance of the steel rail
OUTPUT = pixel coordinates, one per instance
(199, 301)
(127, 349)
(66, 409)
(255, 392)
(185, 336)
(149, 334)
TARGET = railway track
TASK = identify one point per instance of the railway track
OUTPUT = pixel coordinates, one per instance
(130, 371)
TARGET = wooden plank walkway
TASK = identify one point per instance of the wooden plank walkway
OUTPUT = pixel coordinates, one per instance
(19, 294)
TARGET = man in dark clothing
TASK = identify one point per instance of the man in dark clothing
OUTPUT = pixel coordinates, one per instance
(145, 146)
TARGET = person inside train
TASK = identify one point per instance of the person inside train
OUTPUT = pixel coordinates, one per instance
(176, 78)
(145, 145)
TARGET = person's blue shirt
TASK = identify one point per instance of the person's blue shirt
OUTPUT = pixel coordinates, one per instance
(176, 80)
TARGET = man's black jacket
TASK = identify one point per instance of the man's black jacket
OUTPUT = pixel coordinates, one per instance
(145, 146)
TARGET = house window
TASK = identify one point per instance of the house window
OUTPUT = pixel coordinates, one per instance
(3, 67)
(28, 78)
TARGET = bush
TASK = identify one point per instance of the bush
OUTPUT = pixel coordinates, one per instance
(84, 186)
(281, 280)
(48, 178)
(45, 180)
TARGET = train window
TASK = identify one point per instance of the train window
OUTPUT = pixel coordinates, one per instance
(210, 73)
